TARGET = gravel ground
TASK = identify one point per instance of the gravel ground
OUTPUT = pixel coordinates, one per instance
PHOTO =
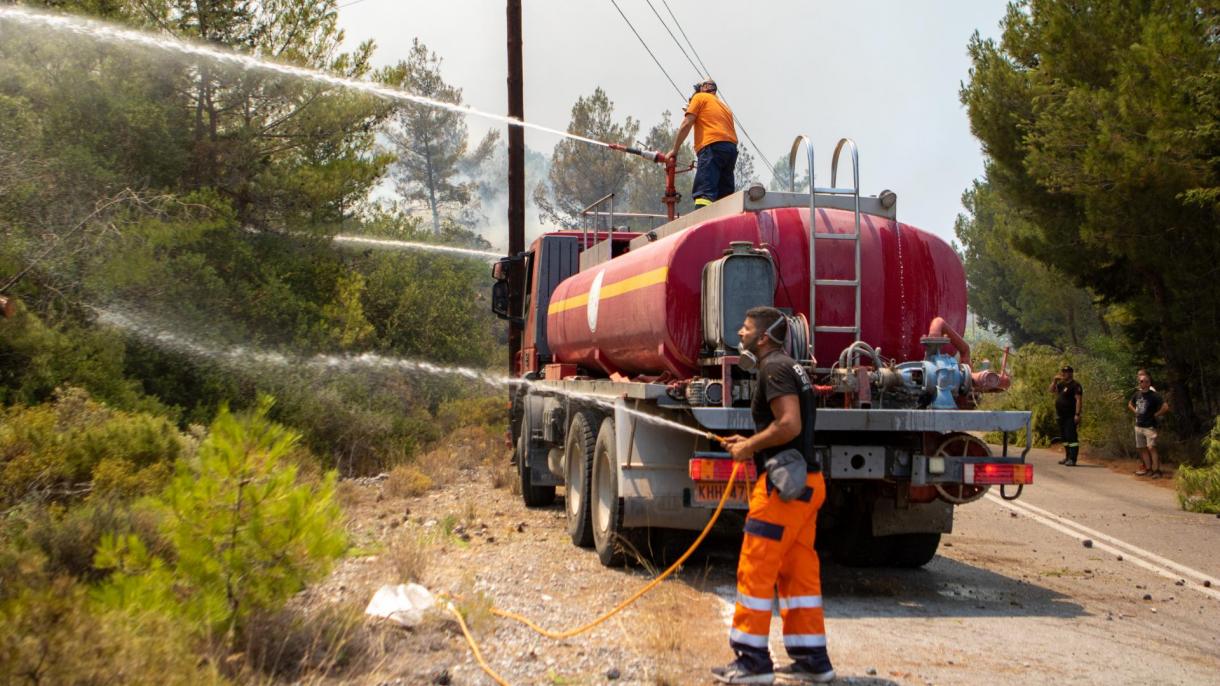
(1007, 600)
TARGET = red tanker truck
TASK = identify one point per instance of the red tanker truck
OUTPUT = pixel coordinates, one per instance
(628, 334)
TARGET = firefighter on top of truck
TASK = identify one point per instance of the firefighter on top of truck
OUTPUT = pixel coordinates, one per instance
(715, 144)
(777, 553)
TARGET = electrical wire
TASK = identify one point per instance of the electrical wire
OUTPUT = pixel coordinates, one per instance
(736, 119)
(648, 49)
(671, 35)
(685, 37)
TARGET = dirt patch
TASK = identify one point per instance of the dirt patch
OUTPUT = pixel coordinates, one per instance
(469, 536)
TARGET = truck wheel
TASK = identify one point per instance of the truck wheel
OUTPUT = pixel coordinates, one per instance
(854, 545)
(578, 471)
(533, 496)
(609, 537)
(912, 550)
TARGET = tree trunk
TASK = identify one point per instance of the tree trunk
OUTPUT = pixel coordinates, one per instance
(436, 217)
(1180, 371)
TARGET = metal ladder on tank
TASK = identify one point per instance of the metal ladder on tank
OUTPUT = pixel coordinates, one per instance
(814, 234)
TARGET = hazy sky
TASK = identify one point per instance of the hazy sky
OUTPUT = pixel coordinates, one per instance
(884, 73)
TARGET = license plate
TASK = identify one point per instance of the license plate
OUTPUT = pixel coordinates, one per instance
(709, 492)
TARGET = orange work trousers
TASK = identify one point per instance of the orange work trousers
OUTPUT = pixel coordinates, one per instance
(777, 558)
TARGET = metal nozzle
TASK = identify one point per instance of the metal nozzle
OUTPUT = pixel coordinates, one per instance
(650, 155)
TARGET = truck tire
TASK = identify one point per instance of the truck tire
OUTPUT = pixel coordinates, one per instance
(610, 539)
(578, 475)
(533, 496)
(858, 547)
(912, 550)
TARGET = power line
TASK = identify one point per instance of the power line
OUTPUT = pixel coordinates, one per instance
(648, 49)
(684, 36)
(671, 35)
(349, 4)
(740, 125)
(705, 70)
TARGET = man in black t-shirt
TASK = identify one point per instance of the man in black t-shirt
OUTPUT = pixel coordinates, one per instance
(1147, 405)
(1069, 401)
(777, 555)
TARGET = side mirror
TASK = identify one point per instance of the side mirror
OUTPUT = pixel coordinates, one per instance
(499, 296)
(499, 270)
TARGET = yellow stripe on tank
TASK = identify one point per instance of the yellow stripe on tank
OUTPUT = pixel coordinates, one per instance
(649, 278)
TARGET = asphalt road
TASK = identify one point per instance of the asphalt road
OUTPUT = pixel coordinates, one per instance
(1021, 593)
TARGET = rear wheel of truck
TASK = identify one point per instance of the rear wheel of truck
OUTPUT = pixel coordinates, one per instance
(578, 471)
(533, 496)
(610, 539)
(912, 550)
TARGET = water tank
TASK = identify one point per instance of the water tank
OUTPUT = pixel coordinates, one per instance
(639, 315)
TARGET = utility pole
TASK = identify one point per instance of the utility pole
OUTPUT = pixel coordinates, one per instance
(516, 181)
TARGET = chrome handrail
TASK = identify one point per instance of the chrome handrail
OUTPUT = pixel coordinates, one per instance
(591, 210)
(813, 223)
(855, 182)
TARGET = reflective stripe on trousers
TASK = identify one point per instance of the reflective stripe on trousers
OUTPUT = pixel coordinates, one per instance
(777, 556)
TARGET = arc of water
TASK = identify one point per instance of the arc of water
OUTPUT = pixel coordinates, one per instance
(411, 245)
(102, 31)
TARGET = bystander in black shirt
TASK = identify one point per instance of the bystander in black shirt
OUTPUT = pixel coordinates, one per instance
(1146, 405)
(1065, 397)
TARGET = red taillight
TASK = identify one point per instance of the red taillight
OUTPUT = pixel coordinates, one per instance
(992, 473)
(713, 469)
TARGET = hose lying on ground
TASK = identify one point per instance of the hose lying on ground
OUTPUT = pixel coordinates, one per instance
(618, 608)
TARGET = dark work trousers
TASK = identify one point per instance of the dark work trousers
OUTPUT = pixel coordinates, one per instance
(1067, 432)
(714, 172)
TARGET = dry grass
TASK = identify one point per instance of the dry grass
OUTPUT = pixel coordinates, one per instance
(678, 637)
(328, 643)
(407, 481)
(470, 513)
(504, 475)
(409, 555)
(474, 605)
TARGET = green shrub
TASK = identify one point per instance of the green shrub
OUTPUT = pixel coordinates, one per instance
(50, 633)
(1199, 487)
(66, 539)
(53, 449)
(246, 532)
(487, 410)
(1103, 368)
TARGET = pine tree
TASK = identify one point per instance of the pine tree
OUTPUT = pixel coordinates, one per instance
(581, 173)
(432, 165)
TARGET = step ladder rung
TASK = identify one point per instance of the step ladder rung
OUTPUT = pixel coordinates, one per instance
(837, 236)
(836, 191)
(836, 282)
(836, 329)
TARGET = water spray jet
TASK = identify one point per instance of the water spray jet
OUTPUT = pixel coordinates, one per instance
(102, 31)
(388, 244)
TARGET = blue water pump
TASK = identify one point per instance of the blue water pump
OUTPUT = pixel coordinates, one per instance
(938, 375)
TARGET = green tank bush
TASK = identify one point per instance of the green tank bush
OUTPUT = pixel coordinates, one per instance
(51, 451)
(246, 532)
(1199, 487)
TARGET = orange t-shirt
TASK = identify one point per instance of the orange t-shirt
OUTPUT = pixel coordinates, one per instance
(713, 120)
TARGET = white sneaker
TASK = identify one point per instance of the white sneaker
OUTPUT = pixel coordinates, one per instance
(734, 673)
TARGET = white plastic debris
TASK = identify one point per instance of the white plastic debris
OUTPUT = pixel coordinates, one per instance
(404, 603)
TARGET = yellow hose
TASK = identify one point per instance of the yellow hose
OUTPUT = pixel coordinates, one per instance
(617, 609)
